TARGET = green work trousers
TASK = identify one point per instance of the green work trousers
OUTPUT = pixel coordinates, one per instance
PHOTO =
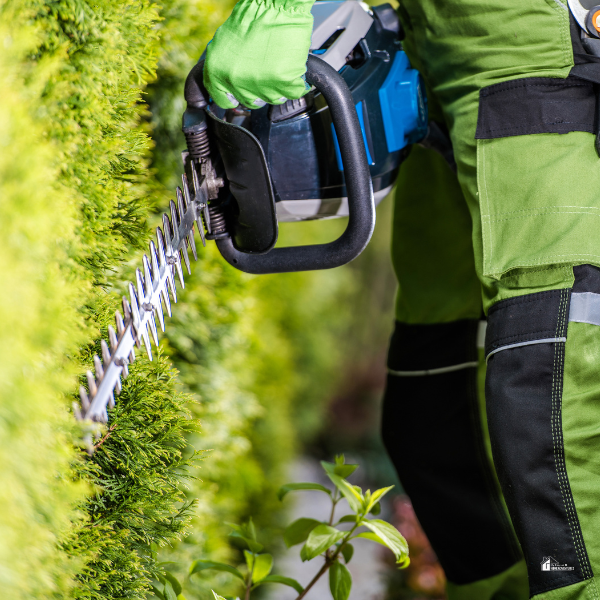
(510, 238)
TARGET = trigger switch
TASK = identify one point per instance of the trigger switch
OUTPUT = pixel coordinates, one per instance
(291, 108)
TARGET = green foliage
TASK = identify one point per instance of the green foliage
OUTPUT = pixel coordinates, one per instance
(324, 539)
(74, 182)
(79, 181)
(38, 313)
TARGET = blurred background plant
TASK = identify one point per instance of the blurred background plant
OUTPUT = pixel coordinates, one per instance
(256, 371)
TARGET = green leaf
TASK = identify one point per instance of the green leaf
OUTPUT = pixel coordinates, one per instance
(369, 535)
(251, 529)
(203, 565)
(376, 497)
(376, 510)
(284, 580)
(294, 487)
(351, 493)
(340, 581)
(158, 593)
(298, 531)
(217, 597)
(348, 552)
(248, 542)
(174, 583)
(246, 533)
(249, 556)
(319, 539)
(391, 538)
(262, 563)
(169, 592)
(348, 519)
(341, 470)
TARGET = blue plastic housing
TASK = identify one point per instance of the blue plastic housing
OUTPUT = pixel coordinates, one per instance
(403, 105)
(360, 110)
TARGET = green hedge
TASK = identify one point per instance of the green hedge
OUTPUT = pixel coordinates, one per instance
(81, 180)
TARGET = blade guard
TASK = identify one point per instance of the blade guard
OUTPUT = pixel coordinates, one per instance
(253, 224)
(253, 231)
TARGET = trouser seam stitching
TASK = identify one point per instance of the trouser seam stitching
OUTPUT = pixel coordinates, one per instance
(558, 442)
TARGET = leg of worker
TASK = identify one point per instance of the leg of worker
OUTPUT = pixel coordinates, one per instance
(522, 133)
(431, 418)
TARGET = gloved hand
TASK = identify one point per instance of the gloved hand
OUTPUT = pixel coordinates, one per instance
(259, 54)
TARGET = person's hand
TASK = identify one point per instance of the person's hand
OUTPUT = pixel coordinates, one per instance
(258, 56)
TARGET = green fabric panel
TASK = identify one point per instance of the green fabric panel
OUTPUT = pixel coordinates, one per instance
(260, 53)
(510, 585)
(431, 249)
(520, 282)
(539, 201)
(581, 431)
(586, 590)
(461, 46)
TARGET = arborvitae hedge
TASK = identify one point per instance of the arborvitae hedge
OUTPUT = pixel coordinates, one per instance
(79, 184)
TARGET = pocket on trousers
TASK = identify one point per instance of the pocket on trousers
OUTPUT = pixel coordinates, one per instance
(538, 174)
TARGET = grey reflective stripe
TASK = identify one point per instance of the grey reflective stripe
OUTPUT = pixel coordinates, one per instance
(481, 331)
(467, 365)
(530, 343)
(585, 308)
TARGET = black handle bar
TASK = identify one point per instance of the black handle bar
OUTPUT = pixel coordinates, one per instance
(361, 205)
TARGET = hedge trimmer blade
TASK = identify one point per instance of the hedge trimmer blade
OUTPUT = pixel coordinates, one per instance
(146, 299)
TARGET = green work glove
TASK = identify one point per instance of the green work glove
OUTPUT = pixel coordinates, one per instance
(258, 56)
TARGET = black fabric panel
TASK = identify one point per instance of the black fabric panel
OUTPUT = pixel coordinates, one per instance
(431, 428)
(524, 319)
(523, 394)
(536, 105)
(442, 345)
(587, 279)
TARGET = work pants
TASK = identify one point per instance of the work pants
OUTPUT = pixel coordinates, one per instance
(512, 236)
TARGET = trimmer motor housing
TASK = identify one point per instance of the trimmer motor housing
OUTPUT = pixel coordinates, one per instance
(333, 153)
(298, 137)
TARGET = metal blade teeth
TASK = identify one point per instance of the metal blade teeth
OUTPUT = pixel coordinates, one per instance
(162, 257)
(180, 211)
(83, 396)
(159, 266)
(182, 250)
(112, 337)
(172, 252)
(91, 383)
(156, 278)
(148, 305)
(140, 327)
(154, 287)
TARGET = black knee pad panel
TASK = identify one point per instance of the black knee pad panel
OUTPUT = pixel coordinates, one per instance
(431, 428)
(525, 346)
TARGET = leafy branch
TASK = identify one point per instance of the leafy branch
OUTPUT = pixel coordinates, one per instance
(329, 540)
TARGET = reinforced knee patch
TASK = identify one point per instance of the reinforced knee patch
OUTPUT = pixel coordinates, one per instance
(525, 349)
(433, 433)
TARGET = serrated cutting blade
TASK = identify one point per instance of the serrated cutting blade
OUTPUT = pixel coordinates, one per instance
(154, 281)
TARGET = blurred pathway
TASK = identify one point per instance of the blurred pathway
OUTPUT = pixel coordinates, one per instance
(365, 567)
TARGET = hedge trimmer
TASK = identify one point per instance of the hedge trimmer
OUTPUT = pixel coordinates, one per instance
(318, 157)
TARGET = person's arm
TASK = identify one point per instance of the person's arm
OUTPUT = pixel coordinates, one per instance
(259, 54)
